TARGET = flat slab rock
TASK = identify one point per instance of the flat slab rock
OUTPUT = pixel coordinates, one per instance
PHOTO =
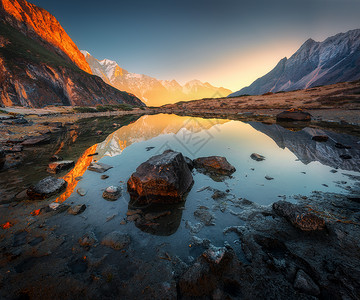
(164, 178)
(214, 164)
(58, 166)
(36, 140)
(46, 187)
(293, 115)
(299, 217)
(99, 167)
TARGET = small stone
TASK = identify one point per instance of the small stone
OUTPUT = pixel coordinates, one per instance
(36, 140)
(99, 167)
(267, 177)
(257, 157)
(92, 154)
(123, 222)
(99, 132)
(305, 284)
(77, 209)
(341, 146)
(111, 193)
(116, 240)
(333, 171)
(81, 191)
(149, 148)
(204, 216)
(214, 164)
(104, 177)
(78, 178)
(346, 156)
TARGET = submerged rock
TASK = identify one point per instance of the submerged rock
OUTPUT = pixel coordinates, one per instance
(116, 240)
(111, 193)
(257, 157)
(58, 166)
(293, 115)
(46, 187)
(56, 157)
(164, 178)
(298, 216)
(88, 239)
(99, 167)
(203, 215)
(77, 209)
(214, 164)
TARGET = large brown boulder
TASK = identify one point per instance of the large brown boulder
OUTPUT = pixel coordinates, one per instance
(164, 178)
(215, 165)
(293, 115)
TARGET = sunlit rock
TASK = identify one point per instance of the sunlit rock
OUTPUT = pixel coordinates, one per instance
(164, 178)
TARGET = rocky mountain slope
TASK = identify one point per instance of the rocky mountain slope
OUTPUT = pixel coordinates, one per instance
(40, 65)
(152, 91)
(337, 59)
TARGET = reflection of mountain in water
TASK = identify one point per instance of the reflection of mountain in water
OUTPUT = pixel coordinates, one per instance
(148, 127)
(307, 150)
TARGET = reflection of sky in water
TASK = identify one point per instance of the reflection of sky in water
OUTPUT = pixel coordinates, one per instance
(234, 140)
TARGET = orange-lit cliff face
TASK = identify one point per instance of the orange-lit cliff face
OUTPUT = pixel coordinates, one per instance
(40, 24)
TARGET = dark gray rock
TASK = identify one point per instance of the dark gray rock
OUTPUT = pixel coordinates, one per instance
(44, 139)
(203, 215)
(77, 209)
(257, 157)
(293, 115)
(89, 239)
(305, 284)
(46, 187)
(164, 178)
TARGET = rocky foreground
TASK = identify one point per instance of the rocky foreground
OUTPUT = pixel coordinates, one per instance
(308, 250)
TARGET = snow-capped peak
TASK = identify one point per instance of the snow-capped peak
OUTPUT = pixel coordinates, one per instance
(85, 53)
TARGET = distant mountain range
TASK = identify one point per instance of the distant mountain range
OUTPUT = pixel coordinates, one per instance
(40, 65)
(152, 91)
(337, 59)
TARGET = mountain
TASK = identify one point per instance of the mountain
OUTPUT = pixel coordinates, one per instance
(337, 59)
(40, 65)
(151, 90)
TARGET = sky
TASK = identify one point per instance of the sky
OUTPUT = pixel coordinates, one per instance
(227, 43)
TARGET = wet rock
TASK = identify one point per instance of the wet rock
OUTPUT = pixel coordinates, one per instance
(77, 209)
(116, 240)
(214, 164)
(267, 177)
(56, 157)
(104, 177)
(320, 138)
(58, 166)
(46, 187)
(164, 178)
(99, 167)
(81, 191)
(89, 239)
(189, 162)
(34, 242)
(203, 215)
(149, 148)
(194, 228)
(293, 115)
(112, 193)
(345, 156)
(36, 140)
(12, 149)
(78, 178)
(218, 195)
(341, 146)
(78, 266)
(257, 157)
(298, 216)
(305, 284)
